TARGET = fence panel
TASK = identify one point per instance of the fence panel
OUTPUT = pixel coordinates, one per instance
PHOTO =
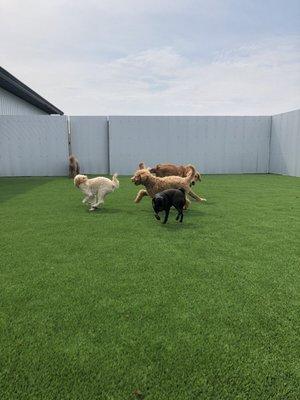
(33, 145)
(89, 143)
(37, 145)
(285, 144)
(213, 144)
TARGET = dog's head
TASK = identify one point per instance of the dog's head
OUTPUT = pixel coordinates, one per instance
(72, 158)
(197, 176)
(141, 176)
(157, 205)
(79, 179)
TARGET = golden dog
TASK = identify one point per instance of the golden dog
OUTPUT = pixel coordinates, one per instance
(73, 166)
(154, 184)
(162, 170)
(96, 189)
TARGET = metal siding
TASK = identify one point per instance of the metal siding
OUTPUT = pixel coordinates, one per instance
(89, 142)
(13, 105)
(213, 144)
(37, 145)
(33, 146)
(285, 144)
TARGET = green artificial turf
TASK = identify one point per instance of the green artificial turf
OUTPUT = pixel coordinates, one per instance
(114, 305)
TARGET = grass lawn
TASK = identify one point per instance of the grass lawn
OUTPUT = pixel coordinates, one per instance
(114, 305)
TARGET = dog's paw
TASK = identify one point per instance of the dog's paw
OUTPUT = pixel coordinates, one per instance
(157, 217)
(202, 199)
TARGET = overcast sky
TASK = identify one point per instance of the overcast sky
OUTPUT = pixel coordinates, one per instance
(156, 57)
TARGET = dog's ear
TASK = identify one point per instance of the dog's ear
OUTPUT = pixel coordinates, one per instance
(142, 165)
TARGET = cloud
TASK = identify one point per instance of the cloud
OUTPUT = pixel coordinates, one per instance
(148, 57)
(256, 79)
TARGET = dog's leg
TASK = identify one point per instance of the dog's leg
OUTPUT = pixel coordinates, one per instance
(99, 199)
(180, 214)
(89, 196)
(181, 219)
(195, 196)
(140, 195)
(94, 206)
(166, 215)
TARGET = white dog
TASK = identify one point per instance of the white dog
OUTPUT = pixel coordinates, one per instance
(96, 189)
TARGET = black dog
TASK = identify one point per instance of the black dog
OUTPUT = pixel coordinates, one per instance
(164, 200)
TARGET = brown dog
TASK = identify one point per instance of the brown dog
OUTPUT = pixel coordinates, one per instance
(162, 170)
(73, 166)
(154, 184)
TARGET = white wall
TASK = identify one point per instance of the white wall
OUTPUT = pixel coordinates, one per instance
(33, 145)
(213, 144)
(38, 144)
(89, 143)
(285, 144)
(13, 105)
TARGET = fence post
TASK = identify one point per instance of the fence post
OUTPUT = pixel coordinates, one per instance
(108, 145)
(270, 139)
(69, 135)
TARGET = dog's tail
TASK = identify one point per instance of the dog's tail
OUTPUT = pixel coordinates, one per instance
(115, 181)
(191, 173)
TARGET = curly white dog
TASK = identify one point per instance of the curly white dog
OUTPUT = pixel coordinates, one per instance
(96, 189)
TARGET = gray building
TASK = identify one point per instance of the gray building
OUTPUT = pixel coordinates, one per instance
(18, 99)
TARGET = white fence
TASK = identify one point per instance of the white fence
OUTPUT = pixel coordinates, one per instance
(33, 145)
(38, 145)
(216, 145)
(285, 144)
(89, 142)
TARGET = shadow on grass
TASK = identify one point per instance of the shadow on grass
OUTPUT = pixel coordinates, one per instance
(105, 211)
(177, 226)
(12, 187)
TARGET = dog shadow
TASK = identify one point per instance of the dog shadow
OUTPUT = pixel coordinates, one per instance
(196, 212)
(174, 226)
(104, 211)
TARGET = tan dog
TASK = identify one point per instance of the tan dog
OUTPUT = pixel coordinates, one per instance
(154, 184)
(162, 170)
(73, 166)
(96, 189)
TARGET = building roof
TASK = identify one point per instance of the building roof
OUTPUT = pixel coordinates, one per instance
(16, 87)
